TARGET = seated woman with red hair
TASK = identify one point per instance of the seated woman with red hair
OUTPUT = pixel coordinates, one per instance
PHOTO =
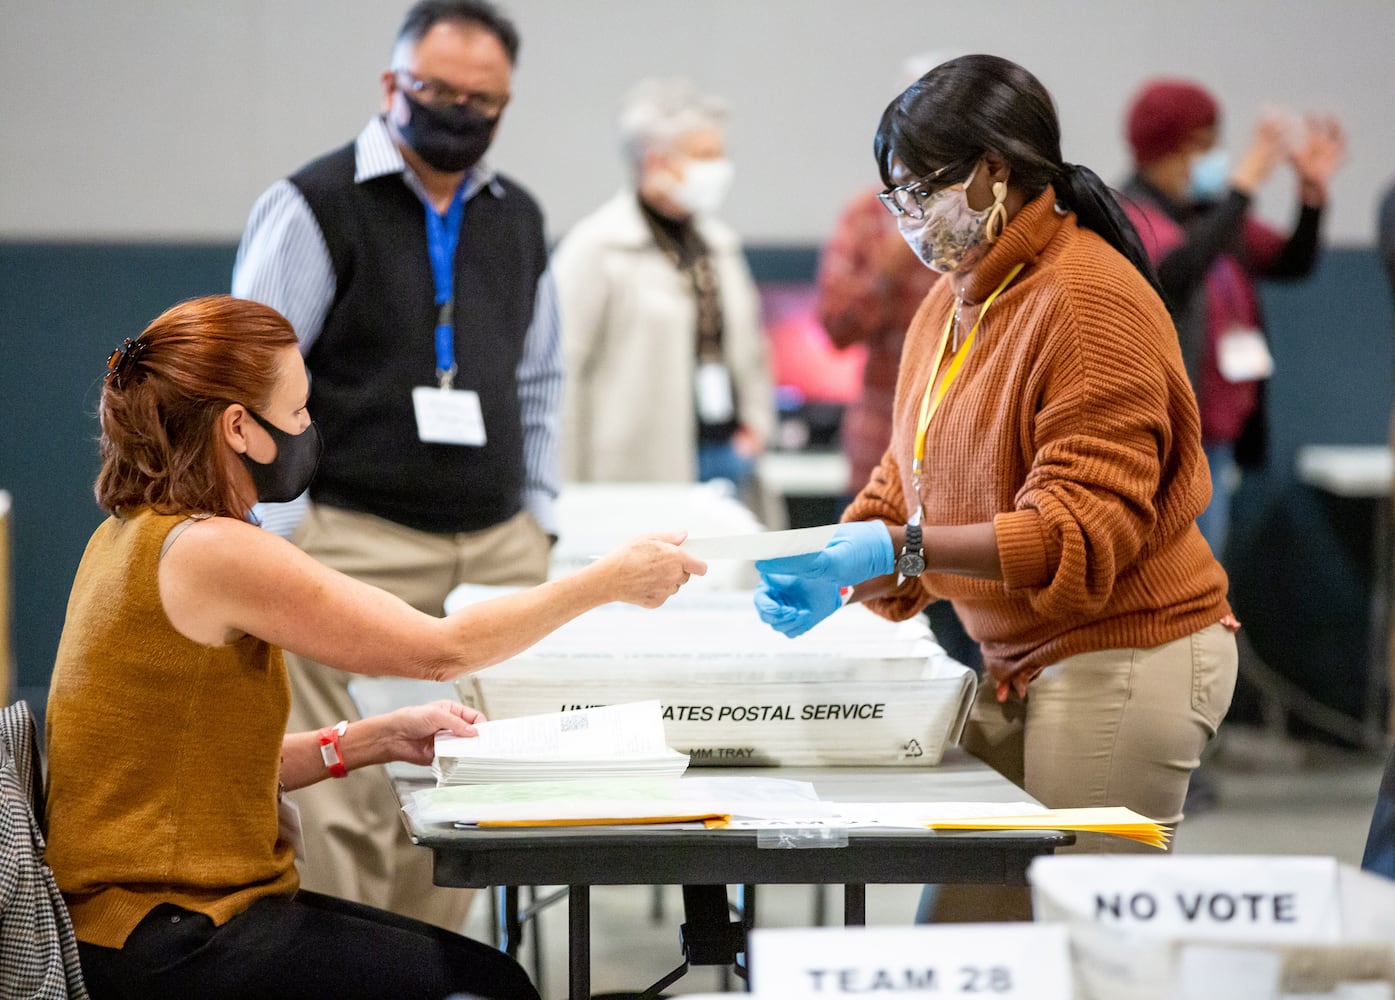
(167, 742)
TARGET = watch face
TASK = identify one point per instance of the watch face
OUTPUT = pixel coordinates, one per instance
(910, 564)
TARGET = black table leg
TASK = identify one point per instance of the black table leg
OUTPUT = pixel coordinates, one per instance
(510, 929)
(854, 905)
(748, 924)
(579, 946)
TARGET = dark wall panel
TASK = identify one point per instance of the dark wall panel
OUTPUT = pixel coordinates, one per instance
(63, 307)
(1301, 561)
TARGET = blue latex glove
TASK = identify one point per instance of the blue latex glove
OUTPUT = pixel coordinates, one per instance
(793, 605)
(858, 551)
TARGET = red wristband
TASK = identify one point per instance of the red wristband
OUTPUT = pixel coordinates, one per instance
(329, 748)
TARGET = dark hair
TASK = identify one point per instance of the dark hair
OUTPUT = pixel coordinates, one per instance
(975, 104)
(426, 14)
(164, 395)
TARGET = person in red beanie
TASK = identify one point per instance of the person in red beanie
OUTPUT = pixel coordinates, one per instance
(1192, 210)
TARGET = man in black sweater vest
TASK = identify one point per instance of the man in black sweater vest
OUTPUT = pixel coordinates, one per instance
(416, 279)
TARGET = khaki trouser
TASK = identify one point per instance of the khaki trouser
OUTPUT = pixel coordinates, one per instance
(355, 845)
(1120, 727)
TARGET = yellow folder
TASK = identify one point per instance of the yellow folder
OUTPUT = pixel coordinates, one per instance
(1115, 820)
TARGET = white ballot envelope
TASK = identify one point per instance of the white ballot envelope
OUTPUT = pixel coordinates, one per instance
(763, 544)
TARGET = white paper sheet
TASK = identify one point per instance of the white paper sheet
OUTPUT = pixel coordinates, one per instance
(762, 545)
(895, 815)
(634, 729)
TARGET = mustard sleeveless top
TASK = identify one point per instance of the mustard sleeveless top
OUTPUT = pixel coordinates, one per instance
(164, 754)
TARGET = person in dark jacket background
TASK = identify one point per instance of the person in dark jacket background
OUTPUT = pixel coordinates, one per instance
(1192, 210)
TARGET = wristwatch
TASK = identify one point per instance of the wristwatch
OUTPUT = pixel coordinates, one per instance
(911, 561)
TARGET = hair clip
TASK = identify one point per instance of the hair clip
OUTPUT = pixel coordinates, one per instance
(122, 359)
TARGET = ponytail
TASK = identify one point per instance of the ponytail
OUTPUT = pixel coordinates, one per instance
(1095, 206)
(976, 103)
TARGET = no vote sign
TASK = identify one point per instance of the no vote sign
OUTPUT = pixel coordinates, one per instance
(1219, 928)
(965, 960)
(1215, 898)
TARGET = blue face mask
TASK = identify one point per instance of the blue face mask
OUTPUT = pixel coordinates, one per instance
(1210, 175)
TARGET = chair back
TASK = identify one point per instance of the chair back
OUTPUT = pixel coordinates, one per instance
(38, 950)
(19, 740)
(7, 679)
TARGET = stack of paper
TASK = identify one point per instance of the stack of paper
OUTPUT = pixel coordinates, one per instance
(710, 801)
(620, 741)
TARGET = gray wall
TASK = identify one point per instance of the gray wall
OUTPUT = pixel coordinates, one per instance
(137, 133)
(163, 119)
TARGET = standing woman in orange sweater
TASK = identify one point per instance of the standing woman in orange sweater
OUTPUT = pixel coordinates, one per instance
(1045, 470)
(166, 727)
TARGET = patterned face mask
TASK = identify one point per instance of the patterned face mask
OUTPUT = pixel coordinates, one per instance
(950, 233)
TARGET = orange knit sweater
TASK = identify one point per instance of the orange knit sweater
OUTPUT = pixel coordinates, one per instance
(1072, 427)
(164, 755)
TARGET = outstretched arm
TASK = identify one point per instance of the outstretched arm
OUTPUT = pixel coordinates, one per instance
(223, 579)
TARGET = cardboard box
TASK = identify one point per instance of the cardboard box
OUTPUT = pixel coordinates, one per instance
(1232, 928)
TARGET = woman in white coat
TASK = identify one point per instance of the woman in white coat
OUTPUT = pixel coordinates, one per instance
(666, 371)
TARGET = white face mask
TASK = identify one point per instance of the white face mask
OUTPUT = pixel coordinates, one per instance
(951, 232)
(704, 185)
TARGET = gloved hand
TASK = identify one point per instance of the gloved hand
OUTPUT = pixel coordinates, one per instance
(858, 551)
(793, 605)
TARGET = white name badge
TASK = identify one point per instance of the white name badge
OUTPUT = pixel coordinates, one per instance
(288, 826)
(713, 392)
(979, 960)
(448, 416)
(1243, 356)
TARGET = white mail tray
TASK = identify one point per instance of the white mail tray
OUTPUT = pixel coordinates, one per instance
(753, 712)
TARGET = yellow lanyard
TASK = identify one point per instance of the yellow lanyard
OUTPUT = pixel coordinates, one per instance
(930, 402)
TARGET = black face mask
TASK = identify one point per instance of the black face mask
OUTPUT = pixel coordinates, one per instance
(287, 475)
(451, 139)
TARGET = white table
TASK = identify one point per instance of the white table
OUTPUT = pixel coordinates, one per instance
(708, 860)
(1348, 470)
(804, 473)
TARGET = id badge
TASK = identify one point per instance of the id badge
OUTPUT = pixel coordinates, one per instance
(288, 826)
(713, 391)
(1243, 356)
(448, 416)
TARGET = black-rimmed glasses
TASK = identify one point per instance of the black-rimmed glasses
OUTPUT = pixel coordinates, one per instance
(909, 198)
(443, 95)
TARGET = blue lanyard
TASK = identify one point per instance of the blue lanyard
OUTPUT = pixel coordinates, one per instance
(442, 237)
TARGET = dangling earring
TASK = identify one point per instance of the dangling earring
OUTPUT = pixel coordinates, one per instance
(997, 215)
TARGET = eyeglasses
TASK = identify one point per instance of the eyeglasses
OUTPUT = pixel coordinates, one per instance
(443, 95)
(909, 199)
